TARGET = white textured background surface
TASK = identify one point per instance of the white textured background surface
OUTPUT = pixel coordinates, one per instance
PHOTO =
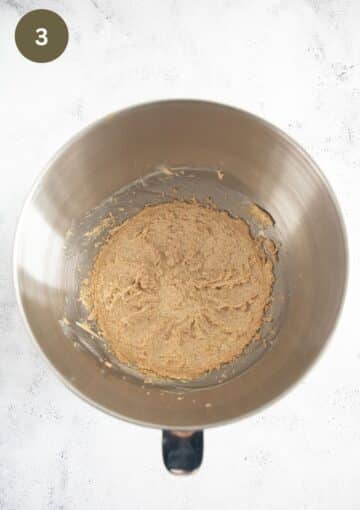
(296, 63)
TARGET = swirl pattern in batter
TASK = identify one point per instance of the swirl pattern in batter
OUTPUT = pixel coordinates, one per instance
(180, 289)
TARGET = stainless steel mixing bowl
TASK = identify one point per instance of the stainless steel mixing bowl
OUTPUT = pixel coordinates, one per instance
(259, 161)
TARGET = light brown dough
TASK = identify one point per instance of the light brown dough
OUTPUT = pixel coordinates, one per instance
(261, 217)
(179, 289)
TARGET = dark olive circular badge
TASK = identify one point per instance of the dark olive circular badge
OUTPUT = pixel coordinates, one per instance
(41, 35)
